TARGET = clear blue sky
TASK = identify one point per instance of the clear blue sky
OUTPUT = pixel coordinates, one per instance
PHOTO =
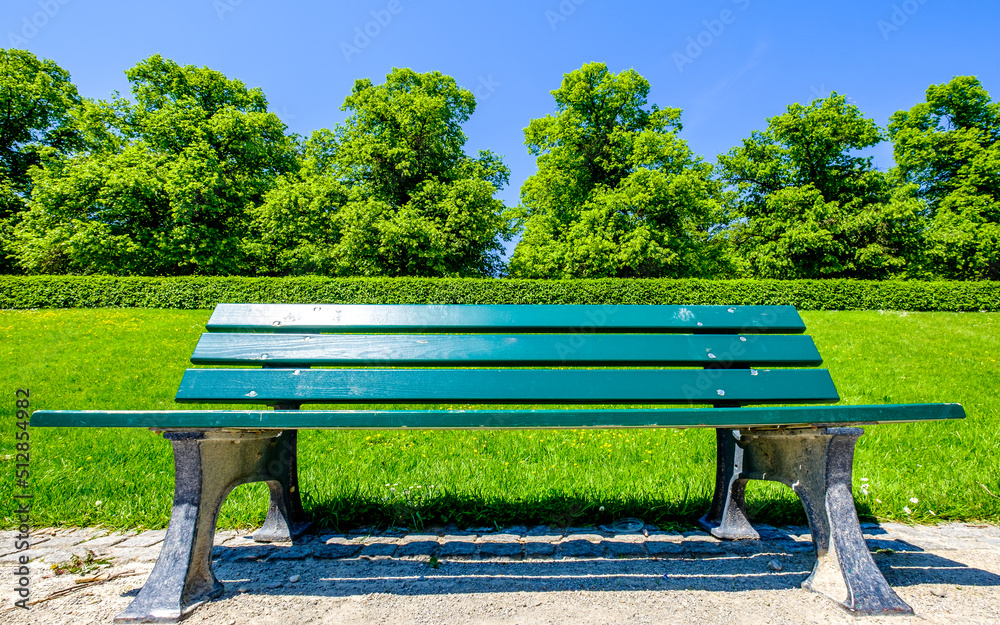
(749, 59)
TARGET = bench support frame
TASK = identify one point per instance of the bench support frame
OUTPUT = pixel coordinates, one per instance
(285, 518)
(816, 463)
(208, 465)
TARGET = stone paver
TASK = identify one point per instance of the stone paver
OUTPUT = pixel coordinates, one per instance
(459, 537)
(500, 550)
(417, 538)
(505, 537)
(248, 554)
(122, 556)
(532, 543)
(145, 539)
(618, 549)
(383, 540)
(418, 548)
(337, 539)
(101, 544)
(379, 549)
(578, 548)
(457, 548)
(703, 547)
(334, 551)
(297, 552)
(663, 548)
(542, 538)
(32, 554)
(539, 550)
(632, 537)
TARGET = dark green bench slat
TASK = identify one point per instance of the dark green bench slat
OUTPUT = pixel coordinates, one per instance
(503, 318)
(520, 386)
(513, 350)
(470, 419)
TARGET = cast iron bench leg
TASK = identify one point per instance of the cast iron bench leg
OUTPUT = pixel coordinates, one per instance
(727, 518)
(816, 463)
(285, 519)
(208, 465)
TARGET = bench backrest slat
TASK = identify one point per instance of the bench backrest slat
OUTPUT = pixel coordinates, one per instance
(507, 350)
(505, 355)
(503, 318)
(507, 386)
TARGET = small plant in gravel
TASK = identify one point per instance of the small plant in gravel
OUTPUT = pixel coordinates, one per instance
(81, 566)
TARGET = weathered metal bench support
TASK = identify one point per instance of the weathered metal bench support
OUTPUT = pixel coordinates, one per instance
(285, 518)
(208, 465)
(727, 519)
(816, 463)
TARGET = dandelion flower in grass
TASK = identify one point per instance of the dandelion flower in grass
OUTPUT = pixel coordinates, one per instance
(98, 503)
(907, 510)
(601, 509)
(914, 500)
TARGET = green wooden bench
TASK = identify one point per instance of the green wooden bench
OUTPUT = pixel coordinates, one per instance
(724, 357)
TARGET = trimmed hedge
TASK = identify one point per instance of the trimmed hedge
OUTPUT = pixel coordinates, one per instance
(23, 292)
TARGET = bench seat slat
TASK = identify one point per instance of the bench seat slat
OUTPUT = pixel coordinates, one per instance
(503, 318)
(512, 386)
(474, 419)
(514, 350)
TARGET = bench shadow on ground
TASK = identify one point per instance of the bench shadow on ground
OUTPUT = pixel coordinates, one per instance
(746, 566)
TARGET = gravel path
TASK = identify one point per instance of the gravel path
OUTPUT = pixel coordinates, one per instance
(948, 573)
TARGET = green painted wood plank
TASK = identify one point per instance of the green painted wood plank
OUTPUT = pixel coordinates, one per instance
(516, 419)
(514, 350)
(507, 386)
(504, 318)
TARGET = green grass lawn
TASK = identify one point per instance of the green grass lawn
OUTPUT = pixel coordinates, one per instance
(134, 359)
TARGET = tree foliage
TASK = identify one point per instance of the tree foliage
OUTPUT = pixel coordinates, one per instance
(949, 147)
(804, 205)
(37, 101)
(164, 185)
(391, 191)
(191, 175)
(617, 193)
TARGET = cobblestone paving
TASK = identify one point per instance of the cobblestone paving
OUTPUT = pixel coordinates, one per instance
(900, 549)
(50, 546)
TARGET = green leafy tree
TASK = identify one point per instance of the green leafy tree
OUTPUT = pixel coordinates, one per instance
(617, 193)
(803, 205)
(166, 183)
(37, 101)
(391, 191)
(949, 147)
